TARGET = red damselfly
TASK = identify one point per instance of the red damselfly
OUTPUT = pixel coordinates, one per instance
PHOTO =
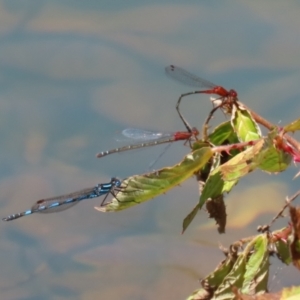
(150, 138)
(192, 80)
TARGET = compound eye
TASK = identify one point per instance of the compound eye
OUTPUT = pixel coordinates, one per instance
(233, 93)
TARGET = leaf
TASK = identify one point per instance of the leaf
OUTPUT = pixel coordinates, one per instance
(224, 135)
(281, 241)
(199, 144)
(215, 279)
(283, 252)
(233, 279)
(271, 159)
(292, 127)
(200, 294)
(223, 132)
(223, 178)
(292, 293)
(214, 187)
(217, 210)
(244, 125)
(249, 268)
(140, 188)
(295, 244)
(257, 267)
(189, 218)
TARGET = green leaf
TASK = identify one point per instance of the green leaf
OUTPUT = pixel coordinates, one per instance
(215, 279)
(283, 252)
(257, 267)
(225, 177)
(246, 269)
(292, 293)
(272, 160)
(214, 186)
(244, 125)
(140, 188)
(295, 243)
(189, 218)
(233, 279)
(222, 133)
(292, 127)
(199, 144)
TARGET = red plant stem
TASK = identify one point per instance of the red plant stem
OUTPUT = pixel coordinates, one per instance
(230, 147)
(259, 119)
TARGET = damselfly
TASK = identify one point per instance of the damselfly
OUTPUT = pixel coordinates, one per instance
(60, 203)
(192, 80)
(150, 138)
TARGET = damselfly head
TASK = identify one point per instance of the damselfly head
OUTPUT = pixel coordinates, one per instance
(115, 182)
(233, 93)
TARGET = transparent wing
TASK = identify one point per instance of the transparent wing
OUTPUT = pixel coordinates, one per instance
(187, 78)
(144, 135)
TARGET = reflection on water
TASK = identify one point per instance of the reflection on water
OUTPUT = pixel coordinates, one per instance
(71, 77)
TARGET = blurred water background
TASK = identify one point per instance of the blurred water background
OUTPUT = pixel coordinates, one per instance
(73, 74)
